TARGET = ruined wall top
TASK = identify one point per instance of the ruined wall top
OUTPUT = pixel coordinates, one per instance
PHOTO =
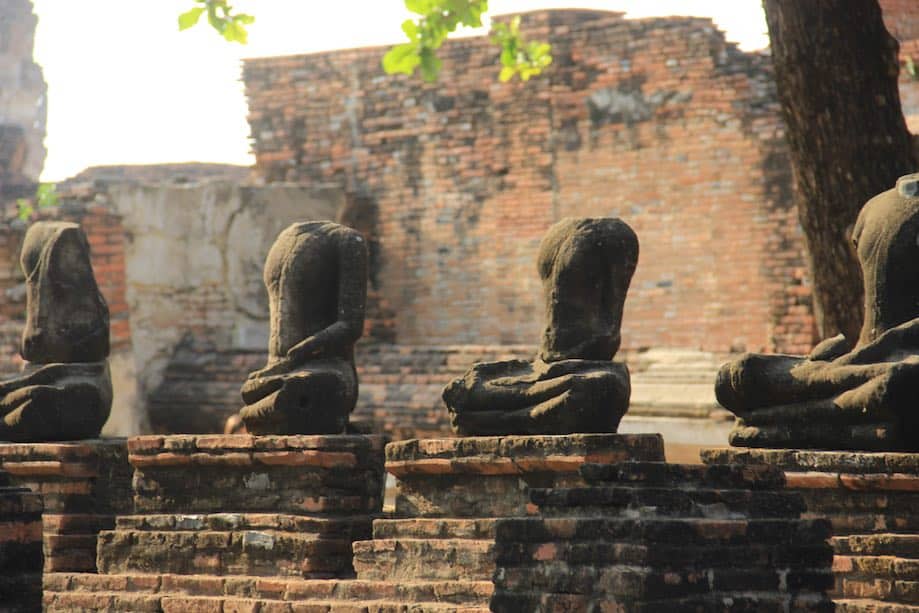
(23, 92)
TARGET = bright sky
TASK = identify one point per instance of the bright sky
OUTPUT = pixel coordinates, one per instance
(125, 87)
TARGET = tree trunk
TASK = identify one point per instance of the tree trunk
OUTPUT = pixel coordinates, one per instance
(836, 69)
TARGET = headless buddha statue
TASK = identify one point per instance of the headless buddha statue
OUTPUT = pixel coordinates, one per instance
(65, 390)
(316, 276)
(861, 394)
(572, 385)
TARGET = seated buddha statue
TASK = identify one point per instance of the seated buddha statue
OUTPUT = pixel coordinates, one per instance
(572, 385)
(65, 389)
(858, 394)
(316, 276)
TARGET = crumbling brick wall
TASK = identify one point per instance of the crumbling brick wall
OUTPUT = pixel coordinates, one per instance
(658, 121)
(23, 105)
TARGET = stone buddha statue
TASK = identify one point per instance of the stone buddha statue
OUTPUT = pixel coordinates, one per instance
(847, 394)
(316, 276)
(572, 385)
(65, 390)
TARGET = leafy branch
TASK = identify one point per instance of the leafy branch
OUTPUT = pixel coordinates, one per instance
(518, 57)
(439, 18)
(910, 65)
(230, 25)
(45, 196)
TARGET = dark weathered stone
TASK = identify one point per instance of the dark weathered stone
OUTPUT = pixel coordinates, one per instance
(572, 385)
(846, 394)
(650, 536)
(83, 486)
(316, 275)
(65, 391)
(871, 501)
(20, 548)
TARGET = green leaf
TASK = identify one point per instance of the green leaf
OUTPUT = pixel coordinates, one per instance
(235, 33)
(430, 65)
(190, 18)
(422, 7)
(411, 29)
(401, 59)
(25, 208)
(46, 194)
(507, 73)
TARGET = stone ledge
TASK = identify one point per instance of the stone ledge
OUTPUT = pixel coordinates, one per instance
(796, 460)
(514, 455)
(221, 443)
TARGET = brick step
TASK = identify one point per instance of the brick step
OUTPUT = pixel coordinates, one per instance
(156, 587)
(702, 502)
(21, 590)
(887, 544)
(665, 531)
(425, 559)
(142, 603)
(882, 588)
(725, 602)
(846, 605)
(642, 583)
(434, 528)
(662, 556)
(59, 523)
(685, 476)
(355, 528)
(245, 552)
(881, 567)
(855, 523)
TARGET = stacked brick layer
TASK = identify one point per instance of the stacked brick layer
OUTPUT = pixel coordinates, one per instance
(83, 485)
(450, 493)
(872, 500)
(665, 537)
(231, 522)
(20, 547)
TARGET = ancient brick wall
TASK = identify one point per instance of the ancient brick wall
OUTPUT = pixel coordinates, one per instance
(902, 18)
(658, 121)
(23, 105)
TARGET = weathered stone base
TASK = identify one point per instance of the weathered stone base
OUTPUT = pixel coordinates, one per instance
(872, 501)
(488, 476)
(235, 523)
(665, 537)
(20, 548)
(83, 485)
(451, 492)
(184, 593)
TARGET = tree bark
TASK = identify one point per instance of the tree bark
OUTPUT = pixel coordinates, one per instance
(836, 69)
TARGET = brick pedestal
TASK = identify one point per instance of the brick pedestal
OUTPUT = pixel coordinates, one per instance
(20, 548)
(230, 522)
(83, 486)
(648, 537)
(452, 492)
(872, 500)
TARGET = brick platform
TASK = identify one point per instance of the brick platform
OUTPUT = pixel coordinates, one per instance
(872, 500)
(83, 486)
(20, 547)
(451, 492)
(648, 537)
(232, 523)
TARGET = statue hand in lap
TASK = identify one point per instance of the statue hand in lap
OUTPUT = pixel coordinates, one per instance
(847, 394)
(573, 385)
(65, 391)
(316, 276)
